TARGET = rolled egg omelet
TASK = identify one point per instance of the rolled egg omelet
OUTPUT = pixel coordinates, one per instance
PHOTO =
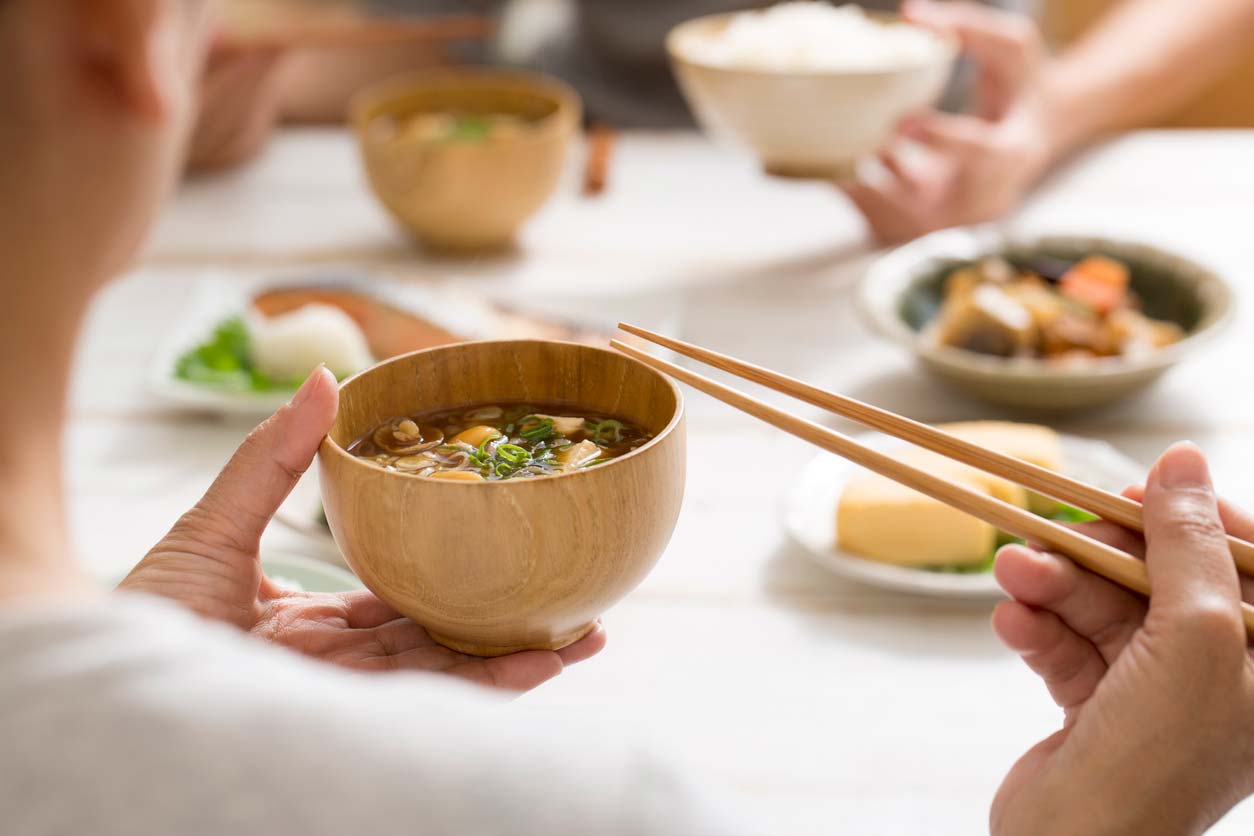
(882, 520)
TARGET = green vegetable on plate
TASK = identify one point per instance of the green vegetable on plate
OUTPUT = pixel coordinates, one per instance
(224, 362)
(1063, 514)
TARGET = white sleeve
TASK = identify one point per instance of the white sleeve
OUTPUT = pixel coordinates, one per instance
(131, 717)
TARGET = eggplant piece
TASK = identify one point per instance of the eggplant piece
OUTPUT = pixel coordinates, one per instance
(1048, 267)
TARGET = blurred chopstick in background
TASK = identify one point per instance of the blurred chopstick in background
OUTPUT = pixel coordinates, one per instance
(285, 24)
(600, 151)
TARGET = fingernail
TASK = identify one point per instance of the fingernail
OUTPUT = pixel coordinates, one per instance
(311, 383)
(1183, 466)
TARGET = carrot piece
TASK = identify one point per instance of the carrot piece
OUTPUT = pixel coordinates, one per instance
(1096, 281)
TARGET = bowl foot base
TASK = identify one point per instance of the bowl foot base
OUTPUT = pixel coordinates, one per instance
(809, 171)
(468, 247)
(476, 649)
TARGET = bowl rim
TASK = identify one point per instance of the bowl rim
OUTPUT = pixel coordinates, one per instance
(567, 114)
(891, 275)
(683, 30)
(329, 446)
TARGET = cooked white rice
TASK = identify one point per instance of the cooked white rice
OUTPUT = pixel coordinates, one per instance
(813, 37)
(289, 346)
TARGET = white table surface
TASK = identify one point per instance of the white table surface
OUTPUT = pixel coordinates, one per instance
(827, 707)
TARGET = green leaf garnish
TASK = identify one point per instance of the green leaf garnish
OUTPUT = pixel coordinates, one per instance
(512, 453)
(1064, 513)
(604, 432)
(470, 127)
(1068, 514)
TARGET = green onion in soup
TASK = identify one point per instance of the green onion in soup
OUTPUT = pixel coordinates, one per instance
(497, 441)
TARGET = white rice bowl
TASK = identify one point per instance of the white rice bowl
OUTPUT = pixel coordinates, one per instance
(814, 37)
(809, 87)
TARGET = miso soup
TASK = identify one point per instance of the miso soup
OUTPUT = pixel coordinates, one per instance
(498, 441)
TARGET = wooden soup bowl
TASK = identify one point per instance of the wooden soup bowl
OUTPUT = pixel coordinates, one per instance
(496, 567)
(466, 196)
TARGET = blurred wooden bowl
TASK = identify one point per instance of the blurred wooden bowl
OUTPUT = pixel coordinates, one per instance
(813, 124)
(464, 195)
(497, 567)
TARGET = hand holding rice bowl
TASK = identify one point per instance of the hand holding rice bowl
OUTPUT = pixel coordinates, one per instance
(811, 88)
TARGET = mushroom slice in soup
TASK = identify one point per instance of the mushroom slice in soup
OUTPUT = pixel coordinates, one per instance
(404, 437)
(485, 413)
(412, 464)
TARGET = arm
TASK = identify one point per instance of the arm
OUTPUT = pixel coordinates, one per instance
(1142, 61)
(320, 80)
(254, 82)
(318, 83)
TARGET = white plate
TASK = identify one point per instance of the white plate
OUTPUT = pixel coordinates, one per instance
(810, 516)
(295, 571)
(221, 295)
(301, 514)
(213, 300)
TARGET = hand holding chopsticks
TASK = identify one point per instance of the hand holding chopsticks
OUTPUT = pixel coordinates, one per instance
(1098, 557)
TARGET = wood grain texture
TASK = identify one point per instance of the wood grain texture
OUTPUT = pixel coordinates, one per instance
(466, 196)
(1109, 506)
(496, 567)
(1094, 555)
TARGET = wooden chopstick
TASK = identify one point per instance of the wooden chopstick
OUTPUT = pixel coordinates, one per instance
(1094, 555)
(360, 32)
(597, 166)
(1108, 506)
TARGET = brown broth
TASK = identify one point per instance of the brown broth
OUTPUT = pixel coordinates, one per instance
(492, 442)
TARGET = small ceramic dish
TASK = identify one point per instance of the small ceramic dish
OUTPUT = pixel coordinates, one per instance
(809, 515)
(902, 292)
(500, 566)
(814, 124)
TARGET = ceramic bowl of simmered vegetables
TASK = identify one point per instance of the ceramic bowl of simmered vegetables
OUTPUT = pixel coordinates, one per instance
(504, 494)
(461, 158)
(1057, 323)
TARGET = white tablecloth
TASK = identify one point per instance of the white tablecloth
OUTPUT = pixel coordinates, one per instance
(827, 706)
